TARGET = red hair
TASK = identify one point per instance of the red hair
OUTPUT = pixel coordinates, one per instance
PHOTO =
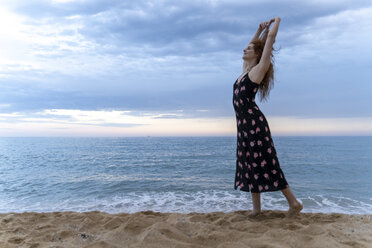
(268, 82)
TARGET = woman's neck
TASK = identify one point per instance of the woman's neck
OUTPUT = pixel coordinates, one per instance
(248, 65)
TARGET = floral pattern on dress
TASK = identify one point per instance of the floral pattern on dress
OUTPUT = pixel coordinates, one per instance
(257, 165)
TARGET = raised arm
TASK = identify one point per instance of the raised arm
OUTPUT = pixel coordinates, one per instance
(274, 30)
(265, 61)
(257, 34)
(263, 37)
(261, 27)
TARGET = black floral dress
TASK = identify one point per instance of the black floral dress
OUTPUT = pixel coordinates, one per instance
(257, 164)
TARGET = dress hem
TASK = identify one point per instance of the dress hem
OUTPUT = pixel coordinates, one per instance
(265, 190)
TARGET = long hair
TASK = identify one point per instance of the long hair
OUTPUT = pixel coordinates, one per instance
(268, 82)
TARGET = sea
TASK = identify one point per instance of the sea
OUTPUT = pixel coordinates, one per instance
(177, 174)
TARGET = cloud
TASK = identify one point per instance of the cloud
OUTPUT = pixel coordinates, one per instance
(154, 28)
(340, 35)
(100, 37)
(163, 56)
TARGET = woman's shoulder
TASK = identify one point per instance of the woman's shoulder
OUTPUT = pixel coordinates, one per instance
(253, 77)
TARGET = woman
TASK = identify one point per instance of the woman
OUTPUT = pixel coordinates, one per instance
(257, 165)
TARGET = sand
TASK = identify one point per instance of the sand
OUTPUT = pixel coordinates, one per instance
(153, 229)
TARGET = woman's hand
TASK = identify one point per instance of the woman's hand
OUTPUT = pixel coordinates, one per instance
(273, 31)
(267, 24)
(275, 19)
(264, 25)
(261, 27)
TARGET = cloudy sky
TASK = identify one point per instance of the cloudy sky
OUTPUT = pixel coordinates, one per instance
(146, 67)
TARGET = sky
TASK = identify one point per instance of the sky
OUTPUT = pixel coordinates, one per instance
(167, 68)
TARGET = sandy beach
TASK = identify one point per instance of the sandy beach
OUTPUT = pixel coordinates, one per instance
(154, 229)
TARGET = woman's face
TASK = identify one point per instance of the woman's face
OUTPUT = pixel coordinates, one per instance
(249, 52)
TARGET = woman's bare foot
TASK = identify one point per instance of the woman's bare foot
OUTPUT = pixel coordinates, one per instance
(254, 213)
(295, 209)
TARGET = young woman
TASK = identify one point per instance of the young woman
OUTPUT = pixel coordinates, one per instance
(257, 164)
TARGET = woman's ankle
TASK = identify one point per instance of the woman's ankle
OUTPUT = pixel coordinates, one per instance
(294, 204)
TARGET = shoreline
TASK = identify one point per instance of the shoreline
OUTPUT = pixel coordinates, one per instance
(157, 229)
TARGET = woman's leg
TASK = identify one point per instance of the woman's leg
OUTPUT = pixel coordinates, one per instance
(294, 206)
(287, 192)
(256, 200)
